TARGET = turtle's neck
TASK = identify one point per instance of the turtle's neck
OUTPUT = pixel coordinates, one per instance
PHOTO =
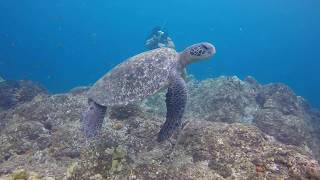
(184, 58)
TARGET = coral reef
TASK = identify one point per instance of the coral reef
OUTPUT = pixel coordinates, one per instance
(233, 129)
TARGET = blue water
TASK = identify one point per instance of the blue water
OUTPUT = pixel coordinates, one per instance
(64, 44)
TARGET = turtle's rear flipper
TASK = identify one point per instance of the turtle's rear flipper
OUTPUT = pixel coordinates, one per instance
(176, 99)
(92, 119)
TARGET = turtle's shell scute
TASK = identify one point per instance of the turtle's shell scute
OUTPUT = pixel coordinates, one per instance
(135, 79)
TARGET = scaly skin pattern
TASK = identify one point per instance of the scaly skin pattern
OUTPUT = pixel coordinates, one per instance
(176, 100)
(93, 119)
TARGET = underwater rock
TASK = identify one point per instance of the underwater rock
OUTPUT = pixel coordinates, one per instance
(315, 121)
(44, 136)
(13, 93)
(279, 96)
(125, 112)
(239, 147)
(274, 108)
(19, 174)
(207, 150)
(22, 174)
(1, 79)
(283, 115)
(224, 99)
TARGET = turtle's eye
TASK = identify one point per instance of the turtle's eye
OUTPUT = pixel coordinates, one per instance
(199, 50)
(204, 47)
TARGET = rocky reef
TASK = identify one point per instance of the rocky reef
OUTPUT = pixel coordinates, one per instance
(13, 93)
(232, 129)
(1, 79)
(274, 108)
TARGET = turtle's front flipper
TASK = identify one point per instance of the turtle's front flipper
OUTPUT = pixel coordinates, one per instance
(176, 99)
(92, 119)
(184, 74)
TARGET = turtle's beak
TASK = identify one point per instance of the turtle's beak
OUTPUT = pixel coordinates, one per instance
(209, 49)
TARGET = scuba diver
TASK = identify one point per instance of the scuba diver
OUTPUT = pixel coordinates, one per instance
(158, 38)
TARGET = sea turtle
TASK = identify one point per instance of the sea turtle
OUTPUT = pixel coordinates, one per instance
(141, 76)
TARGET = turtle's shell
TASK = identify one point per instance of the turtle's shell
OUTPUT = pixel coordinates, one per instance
(136, 78)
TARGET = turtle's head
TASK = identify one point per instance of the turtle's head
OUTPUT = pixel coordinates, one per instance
(197, 52)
